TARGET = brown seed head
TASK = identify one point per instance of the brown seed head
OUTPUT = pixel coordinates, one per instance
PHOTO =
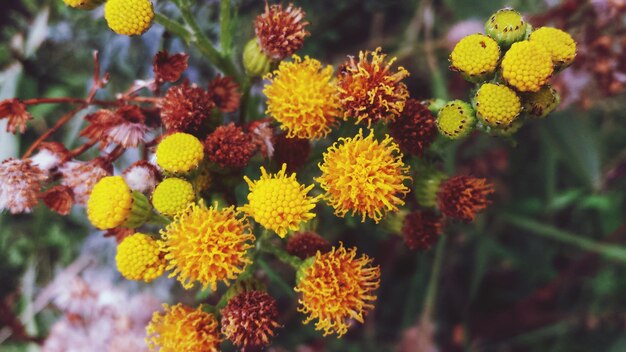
(281, 32)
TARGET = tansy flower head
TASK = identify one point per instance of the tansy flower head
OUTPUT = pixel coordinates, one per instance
(129, 17)
(15, 111)
(83, 4)
(369, 90)
(140, 258)
(249, 319)
(421, 229)
(305, 244)
(112, 204)
(461, 197)
(280, 32)
(279, 203)
(172, 196)
(291, 151)
(179, 153)
(497, 105)
(206, 245)
(365, 176)
(559, 44)
(182, 328)
(230, 146)
(415, 129)
(542, 102)
(224, 91)
(302, 96)
(186, 107)
(142, 176)
(337, 287)
(81, 176)
(476, 57)
(527, 66)
(20, 182)
(456, 119)
(507, 26)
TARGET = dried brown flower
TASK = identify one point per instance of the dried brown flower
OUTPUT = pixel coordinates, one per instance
(415, 129)
(99, 124)
(59, 198)
(130, 129)
(50, 156)
(119, 233)
(305, 244)
(186, 107)
(292, 151)
(142, 176)
(421, 229)
(16, 112)
(249, 319)
(20, 182)
(169, 68)
(225, 93)
(230, 146)
(81, 176)
(281, 32)
(262, 134)
(461, 197)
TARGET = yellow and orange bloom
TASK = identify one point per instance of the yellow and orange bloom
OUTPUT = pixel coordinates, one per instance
(362, 175)
(302, 97)
(182, 328)
(461, 197)
(337, 287)
(369, 89)
(206, 245)
(279, 203)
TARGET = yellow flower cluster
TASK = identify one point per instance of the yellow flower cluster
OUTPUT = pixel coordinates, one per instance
(206, 245)
(365, 176)
(172, 196)
(278, 202)
(179, 153)
(140, 258)
(182, 328)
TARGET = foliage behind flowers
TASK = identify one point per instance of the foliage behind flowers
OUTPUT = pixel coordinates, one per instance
(266, 191)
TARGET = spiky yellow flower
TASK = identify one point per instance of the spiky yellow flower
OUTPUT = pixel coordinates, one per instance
(456, 119)
(206, 245)
(559, 44)
(172, 196)
(129, 17)
(140, 258)
(179, 153)
(475, 56)
(365, 176)
(182, 328)
(302, 96)
(542, 102)
(369, 90)
(112, 204)
(497, 105)
(279, 203)
(337, 287)
(527, 66)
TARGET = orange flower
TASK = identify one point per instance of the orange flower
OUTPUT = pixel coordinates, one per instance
(461, 197)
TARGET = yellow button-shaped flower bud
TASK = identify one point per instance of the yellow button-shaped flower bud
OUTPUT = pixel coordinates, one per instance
(172, 196)
(456, 119)
(559, 44)
(476, 57)
(139, 257)
(179, 153)
(527, 66)
(129, 17)
(507, 26)
(497, 105)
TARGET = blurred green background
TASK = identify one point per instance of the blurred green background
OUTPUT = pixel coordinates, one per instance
(543, 269)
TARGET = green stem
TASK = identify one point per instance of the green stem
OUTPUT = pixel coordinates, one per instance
(158, 219)
(274, 277)
(245, 100)
(433, 283)
(609, 251)
(283, 256)
(173, 27)
(226, 37)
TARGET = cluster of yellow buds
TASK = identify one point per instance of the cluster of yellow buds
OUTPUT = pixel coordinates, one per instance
(511, 66)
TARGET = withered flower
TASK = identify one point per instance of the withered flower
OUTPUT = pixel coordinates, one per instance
(225, 93)
(291, 151)
(185, 107)
(130, 130)
(461, 197)
(305, 244)
(415, 129)
(230, 146)
(142, 176)
(20, 182)
(50, 156)
(249, 319)
(281, 32)
(81, 176)
(15, 111)
(99, 124)
(169, 68)
(421, 229)
(59, 198)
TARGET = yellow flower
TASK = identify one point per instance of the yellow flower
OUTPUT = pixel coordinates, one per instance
(83, 4)
(206, 245)
(363, 175)
(497, 105)
(112, 204)
(182, 328)
(129, 17)
(302, 96)
(456, 119)
(336, 287)
(527, 66)
(369, 90)
(140, 258)
(279, 203)
(541, 103)
(475, 56)
(172, 196)
(559, 44)
(179, 153)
